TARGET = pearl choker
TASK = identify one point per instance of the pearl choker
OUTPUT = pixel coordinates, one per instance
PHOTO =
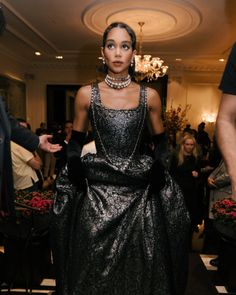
(118, 83)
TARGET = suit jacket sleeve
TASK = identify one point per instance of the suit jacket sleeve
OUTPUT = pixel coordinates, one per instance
(12, 130)
(22, 135)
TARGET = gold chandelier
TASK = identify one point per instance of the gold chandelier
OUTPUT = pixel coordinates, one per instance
(147, 66)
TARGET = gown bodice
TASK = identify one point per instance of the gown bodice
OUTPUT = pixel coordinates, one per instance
(117, 132)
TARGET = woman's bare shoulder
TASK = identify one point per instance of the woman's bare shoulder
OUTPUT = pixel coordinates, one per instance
(83, 96)
(152, 92)
(153, 97)
(84, 90)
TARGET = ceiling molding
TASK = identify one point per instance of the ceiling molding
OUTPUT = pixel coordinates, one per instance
(164, 19)
(184, 29)
(20, 26)
(81, 66)
(13, 55)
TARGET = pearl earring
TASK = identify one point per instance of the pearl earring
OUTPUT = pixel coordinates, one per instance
(132, 63)
(103, 61)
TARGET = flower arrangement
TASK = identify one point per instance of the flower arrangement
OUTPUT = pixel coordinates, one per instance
(175, 118)
(225, 210)
(38, 201)
(175, 121)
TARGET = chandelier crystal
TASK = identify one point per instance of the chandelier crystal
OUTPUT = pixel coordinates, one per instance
(147, 66)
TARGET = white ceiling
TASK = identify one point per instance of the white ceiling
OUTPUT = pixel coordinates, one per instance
(197, 31)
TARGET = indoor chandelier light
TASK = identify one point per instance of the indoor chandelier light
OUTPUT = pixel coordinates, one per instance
(147, 66)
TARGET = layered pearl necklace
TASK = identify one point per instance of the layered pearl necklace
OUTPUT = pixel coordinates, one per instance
(117, 83)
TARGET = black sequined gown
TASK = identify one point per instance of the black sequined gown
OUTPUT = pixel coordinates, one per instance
(118, 239)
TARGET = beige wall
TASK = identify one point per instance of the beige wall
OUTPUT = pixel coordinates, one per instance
(198, 89)
(36, 81)
(200, 92)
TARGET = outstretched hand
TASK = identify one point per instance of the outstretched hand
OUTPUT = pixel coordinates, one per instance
(47, 146)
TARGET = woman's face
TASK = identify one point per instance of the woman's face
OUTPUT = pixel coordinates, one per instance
(118, 51)
(189, 146)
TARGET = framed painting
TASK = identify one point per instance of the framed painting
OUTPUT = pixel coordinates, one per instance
(14, 93)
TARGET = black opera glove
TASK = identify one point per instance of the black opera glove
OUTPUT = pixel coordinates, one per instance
(75, 168)
(161, 160)
(157, 176)
(161, 149)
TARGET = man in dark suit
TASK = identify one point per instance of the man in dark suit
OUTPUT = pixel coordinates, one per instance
(11, 130)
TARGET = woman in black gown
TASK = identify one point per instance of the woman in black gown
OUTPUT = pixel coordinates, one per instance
(120, 222)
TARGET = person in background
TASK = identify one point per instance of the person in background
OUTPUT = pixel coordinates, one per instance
(42, 129)
(68, 127)
(10, 129)
(63, 138)
(189, 130)
(185, 169)
(25, 164)
(202, 138)
(49, 164)
(225, 122)
(220, 188)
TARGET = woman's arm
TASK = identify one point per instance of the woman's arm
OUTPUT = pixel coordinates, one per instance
(78, 135)
(35, 162)
(197, 171)
(222, 180)
(154, 112)
(82, 103)
(159, 137)
(173, 163)
(157, 174)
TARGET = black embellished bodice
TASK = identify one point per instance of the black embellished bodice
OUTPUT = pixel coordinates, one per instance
(117, 132)
(117, 136)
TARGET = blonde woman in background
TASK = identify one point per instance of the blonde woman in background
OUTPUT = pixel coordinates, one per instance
(185, 169)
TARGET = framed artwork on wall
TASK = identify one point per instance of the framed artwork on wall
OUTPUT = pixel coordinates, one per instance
(14, 93)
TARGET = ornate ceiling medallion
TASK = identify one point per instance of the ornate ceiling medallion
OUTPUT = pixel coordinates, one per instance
(164, 19)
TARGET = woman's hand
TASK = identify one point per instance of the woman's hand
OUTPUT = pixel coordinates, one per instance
(45, 145)
(211, 182)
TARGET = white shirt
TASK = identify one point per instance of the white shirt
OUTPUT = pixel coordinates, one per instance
(23, 174)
